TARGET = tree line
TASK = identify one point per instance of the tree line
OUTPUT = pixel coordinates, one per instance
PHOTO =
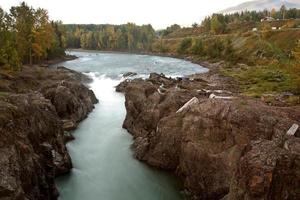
(27, 36)
(213, 48)
(217, 23)
(220, 23)
(127, 37)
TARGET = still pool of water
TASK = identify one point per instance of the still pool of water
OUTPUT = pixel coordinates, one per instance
(104, 166)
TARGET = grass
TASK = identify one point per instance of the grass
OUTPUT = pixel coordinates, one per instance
(256, 81)
(270, 71)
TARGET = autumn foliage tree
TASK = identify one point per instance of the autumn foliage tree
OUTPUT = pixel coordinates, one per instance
(23, 21)
(43, 35)
(27, 36)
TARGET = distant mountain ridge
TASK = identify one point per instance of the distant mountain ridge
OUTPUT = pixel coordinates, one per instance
(261, 5)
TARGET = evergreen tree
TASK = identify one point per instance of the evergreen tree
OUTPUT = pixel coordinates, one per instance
(217, 24)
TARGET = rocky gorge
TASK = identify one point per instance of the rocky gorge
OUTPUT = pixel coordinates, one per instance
(221, 144)
(38, 106)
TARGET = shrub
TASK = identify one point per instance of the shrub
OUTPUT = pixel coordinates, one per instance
(215, 48)
(184, 45)
(229, 52)
(197, 47)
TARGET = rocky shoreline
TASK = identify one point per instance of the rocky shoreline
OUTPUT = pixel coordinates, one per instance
(60, 59)
(38, 105)
(221, 144)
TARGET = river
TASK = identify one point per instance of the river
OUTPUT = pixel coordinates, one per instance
(104, 166)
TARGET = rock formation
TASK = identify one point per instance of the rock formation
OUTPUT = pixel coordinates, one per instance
(36, 105)
(232, 148)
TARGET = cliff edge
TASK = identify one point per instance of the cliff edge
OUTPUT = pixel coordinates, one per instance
(37, 106)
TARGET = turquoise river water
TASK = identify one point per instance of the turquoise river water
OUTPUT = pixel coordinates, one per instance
(104, 166)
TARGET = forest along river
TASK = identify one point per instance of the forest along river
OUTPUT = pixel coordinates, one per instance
(104, 166)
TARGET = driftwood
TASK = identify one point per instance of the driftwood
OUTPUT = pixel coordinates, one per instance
(187, 105)
(161, 89)
(214, 91)
(293, 129)
(213, 96)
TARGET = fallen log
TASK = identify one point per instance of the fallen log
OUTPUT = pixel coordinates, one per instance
(214, 91)
(161, 89)
(187, 105)
(213, 96)
(292, 130)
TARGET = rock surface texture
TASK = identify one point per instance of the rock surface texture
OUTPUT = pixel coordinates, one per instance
(36, 105)
(221, 148)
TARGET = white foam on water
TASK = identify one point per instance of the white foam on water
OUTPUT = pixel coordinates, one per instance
(84, 59)
(104, 87)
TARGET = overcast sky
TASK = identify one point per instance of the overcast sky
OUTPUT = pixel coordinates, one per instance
(159, 13)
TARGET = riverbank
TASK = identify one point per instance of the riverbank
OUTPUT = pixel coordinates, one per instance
(223, 145)
(58, 60)
(39, 105)
(271, 84)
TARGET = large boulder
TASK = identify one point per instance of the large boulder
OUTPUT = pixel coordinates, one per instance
(72, 100)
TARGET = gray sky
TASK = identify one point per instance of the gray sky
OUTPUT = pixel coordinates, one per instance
(160, 13)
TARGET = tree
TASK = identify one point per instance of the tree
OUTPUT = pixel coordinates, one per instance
(273, 13)
(130, 36)
(266, 13)
(112, 37)
(121, 40)
(283, 11)
(292, 13)
(206, 23)
(23, 17)
(27, 36)
(2, 36)
(8, 54)
(59, 41)
(43, 34)
(218, 25)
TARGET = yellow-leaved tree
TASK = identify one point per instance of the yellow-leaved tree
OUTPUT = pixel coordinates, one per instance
(43, 35)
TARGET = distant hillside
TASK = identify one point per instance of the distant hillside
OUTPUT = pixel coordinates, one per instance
(262, 4)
